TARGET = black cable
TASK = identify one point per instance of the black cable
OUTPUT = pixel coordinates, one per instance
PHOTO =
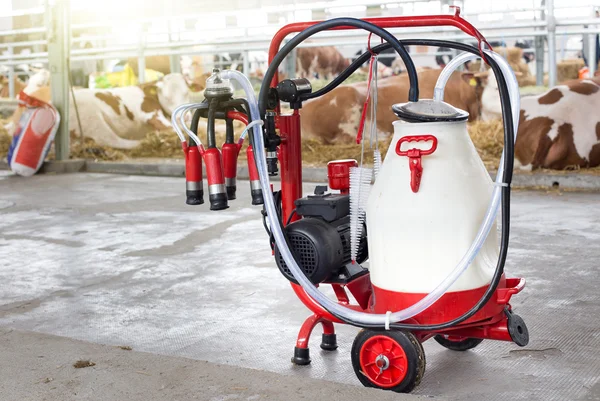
(292, 213)
(210, 125)
(413, 95)
(505, 201)
(194, 126)
(278, 209)
(228, 130)
(356, 64)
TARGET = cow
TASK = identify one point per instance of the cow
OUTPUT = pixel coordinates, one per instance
(514, 57)
(334, 117)
(558, 129)
(491, 108)
(121, 117)
(323, 62)
(561, 128)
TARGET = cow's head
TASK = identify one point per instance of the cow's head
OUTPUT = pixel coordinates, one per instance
(488, 92)
(173, 90)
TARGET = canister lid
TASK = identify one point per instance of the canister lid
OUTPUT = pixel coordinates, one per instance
(428, 110)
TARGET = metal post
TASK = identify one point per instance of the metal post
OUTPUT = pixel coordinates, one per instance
(141, 58)
(175, 62)
(592, 53)
(585, 44)
(246, 63)
(11, 81)
(174, 59)
(11, 76)
(290, 65)
(539, 60)
(551, 27)
(540, 51)
(58, 61)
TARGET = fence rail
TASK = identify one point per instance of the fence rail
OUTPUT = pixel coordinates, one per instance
(549, 29)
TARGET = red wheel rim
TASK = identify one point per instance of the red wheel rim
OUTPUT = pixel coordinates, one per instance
(383, 361)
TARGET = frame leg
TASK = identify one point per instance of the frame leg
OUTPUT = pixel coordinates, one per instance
(328, 342)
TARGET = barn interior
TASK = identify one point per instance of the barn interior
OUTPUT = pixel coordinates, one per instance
(114, 288)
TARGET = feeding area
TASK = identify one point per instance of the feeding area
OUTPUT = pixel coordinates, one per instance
(292, 200)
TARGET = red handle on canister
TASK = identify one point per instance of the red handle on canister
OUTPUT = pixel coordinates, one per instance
(338, 172)
(216, 180)
(414, 157)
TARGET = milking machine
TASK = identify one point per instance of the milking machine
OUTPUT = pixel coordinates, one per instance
(424, 220)
(221, 164)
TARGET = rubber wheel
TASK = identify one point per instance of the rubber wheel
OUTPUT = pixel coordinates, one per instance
(463, 344)
(391, 360)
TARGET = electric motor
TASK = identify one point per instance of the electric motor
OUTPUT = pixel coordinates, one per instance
(321, 239)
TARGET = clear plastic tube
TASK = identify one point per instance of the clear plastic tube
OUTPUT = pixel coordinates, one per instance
(440, 85)
(177, 120)
(307, 285)
(248, 128)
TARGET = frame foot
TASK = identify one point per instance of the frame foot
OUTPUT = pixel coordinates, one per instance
(301, 356)
(329, 342)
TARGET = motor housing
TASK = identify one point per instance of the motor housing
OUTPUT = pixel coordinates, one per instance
(321, 238)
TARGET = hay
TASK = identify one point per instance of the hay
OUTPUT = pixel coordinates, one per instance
(166, 143)
(158, 144)
(488, 138)
(5, 141)
(314, 153)
(90, 150)
(568, 69)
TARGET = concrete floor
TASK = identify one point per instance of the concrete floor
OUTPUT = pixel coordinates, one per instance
(120, 260)
(39, 367)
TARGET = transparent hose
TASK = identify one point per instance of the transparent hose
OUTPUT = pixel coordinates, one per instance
(248, 128)
(438, 91)
(333, 306)
(177, 120)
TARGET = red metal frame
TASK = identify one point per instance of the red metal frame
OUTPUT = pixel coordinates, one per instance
(454, 20)
(290, 157)
(309, 325)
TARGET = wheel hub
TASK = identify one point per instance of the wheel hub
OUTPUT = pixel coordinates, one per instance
(383, 361)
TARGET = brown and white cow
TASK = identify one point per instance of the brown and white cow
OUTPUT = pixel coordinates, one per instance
(560, 128)
(557, 129)
(335, 117)
(326, 62)
(121, 117)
